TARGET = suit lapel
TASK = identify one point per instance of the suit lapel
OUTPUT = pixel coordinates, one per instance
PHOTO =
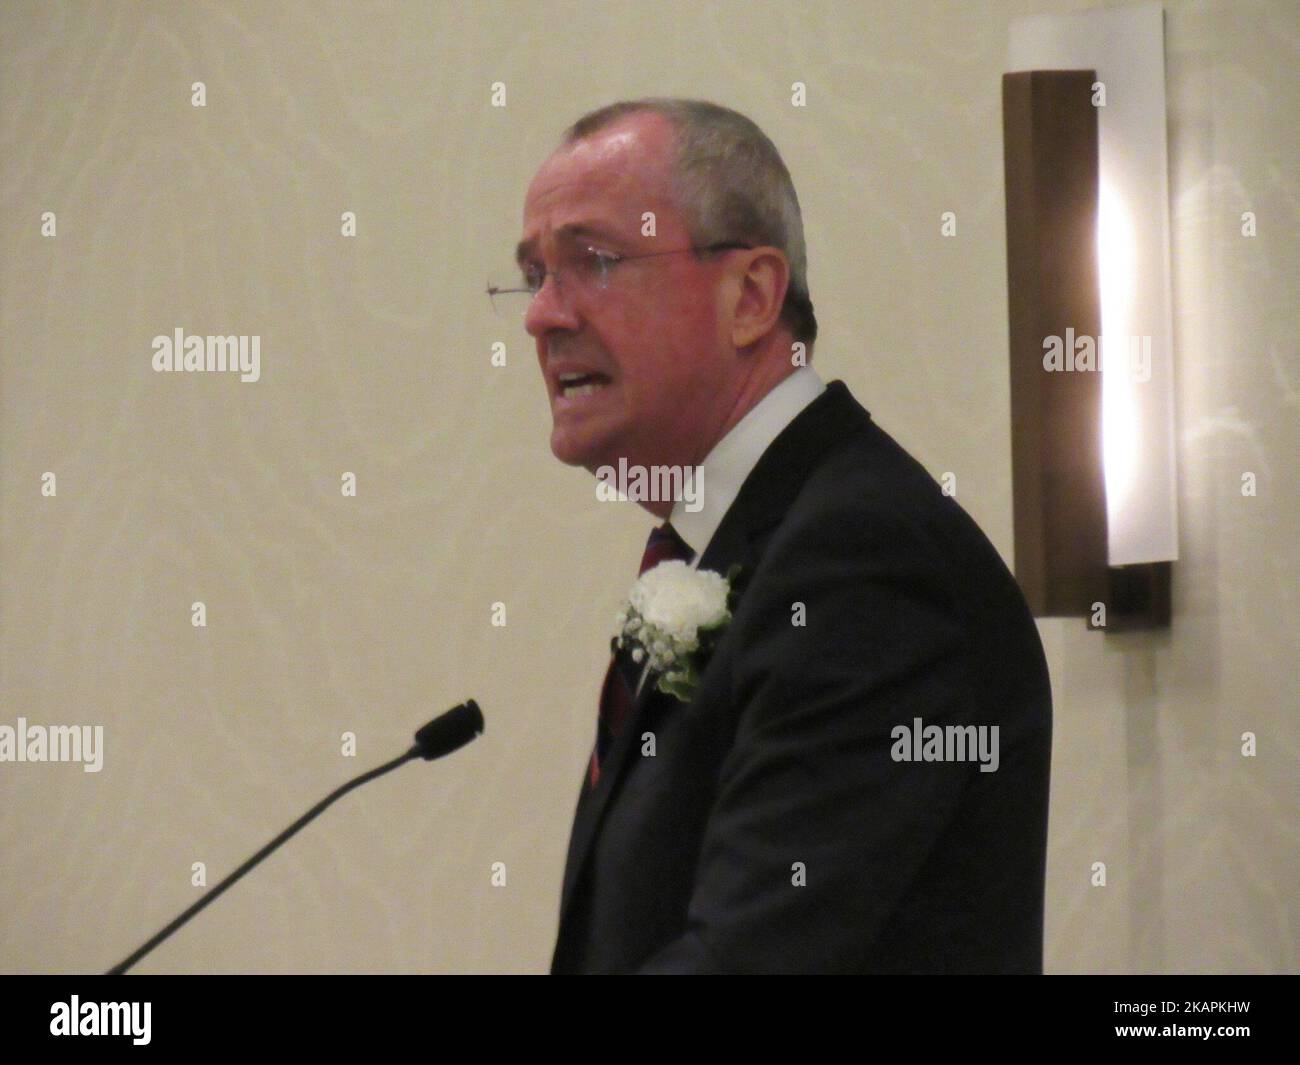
(592, 802)
(728, 545)
(760, 504)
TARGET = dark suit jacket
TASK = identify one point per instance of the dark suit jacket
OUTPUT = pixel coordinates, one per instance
(689, 860)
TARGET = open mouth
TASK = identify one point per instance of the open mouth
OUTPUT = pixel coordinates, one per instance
(575, 385)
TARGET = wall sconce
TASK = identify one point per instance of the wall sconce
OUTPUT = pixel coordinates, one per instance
(1092, 400)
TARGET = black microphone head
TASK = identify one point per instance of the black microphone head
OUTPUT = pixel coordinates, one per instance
(450, 731)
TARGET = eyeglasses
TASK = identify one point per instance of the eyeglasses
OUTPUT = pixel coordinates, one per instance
(588, 270)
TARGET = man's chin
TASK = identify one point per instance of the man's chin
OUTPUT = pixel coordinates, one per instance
(573, 451)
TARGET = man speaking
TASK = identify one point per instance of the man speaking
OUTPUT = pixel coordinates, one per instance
(823, 742)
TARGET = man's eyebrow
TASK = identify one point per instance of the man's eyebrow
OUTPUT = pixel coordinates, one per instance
(569, 232)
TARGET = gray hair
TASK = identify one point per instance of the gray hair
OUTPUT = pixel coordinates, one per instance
(730, 183)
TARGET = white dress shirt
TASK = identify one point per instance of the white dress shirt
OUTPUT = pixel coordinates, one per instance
(734, 457)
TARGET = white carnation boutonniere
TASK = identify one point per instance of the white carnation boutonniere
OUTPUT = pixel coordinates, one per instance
(673, 616)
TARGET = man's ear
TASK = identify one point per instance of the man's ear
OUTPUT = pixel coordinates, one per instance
(760, 296)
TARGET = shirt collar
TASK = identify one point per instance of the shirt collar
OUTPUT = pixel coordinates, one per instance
(734, 457)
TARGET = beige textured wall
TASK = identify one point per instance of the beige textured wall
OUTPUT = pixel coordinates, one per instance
(328, 614)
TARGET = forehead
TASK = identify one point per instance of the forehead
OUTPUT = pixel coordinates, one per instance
(603, 184)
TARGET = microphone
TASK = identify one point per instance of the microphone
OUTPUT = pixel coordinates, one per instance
(447, 732)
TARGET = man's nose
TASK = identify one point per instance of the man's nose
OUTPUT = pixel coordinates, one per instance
(549, 309)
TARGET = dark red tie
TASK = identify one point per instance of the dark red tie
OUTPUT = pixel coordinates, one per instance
(621, 678)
